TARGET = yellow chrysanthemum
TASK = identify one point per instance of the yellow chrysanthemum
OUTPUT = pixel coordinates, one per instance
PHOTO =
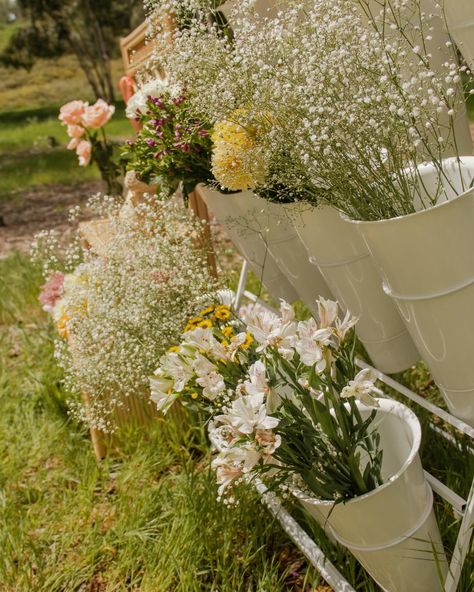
(248, 341)
(207, 310)
(237, 161)
(205, 324)
(222, 313)
(228, 331)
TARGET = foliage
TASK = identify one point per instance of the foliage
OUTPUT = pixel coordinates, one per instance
(173, 147)
(88, 29)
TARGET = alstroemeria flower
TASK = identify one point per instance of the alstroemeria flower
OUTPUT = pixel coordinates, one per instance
(257, 387)
(327, 311)
(176, 367)
(362, 387)
(311, 343)
(342, 327)
(213, 385)
(270, 330)
(247, 417)
(233, 463)
(162, 393)
(203, 339)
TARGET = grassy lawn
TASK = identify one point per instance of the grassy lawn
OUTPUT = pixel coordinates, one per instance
(33, 152)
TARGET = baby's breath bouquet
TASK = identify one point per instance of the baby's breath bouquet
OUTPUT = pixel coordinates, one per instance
(117, 312)
(281, 398)
(354, 95)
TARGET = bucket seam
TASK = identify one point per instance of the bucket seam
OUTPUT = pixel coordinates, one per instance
(388, 290)
(341, 263)
(388, 339)
(393, 542)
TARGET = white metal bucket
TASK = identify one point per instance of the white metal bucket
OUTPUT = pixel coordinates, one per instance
(392, 530)
(427, 262)
(460, 17)
(276, 229)
(342, 257)
(226, 209)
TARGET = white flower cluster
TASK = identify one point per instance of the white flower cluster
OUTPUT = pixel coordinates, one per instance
(352, 94)
(121, 310)
(240, 371)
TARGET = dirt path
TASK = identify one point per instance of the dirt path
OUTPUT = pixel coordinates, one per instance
(39, 208)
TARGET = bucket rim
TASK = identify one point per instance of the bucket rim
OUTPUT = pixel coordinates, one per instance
(467, 161)
(403, 412)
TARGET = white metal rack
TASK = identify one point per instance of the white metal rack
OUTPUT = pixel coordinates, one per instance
(464, 509)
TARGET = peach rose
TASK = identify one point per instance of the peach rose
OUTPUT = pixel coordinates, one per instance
(72, 112)
(75, 132)
(83, 151)
(97, 115)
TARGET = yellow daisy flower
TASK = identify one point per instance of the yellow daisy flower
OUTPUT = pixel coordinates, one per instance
(205, 324)
(207, 310)
(228, 331)
(222, 313)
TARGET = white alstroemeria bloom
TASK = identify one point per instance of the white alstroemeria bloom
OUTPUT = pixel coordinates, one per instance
(202, 365)
(247, 417)
(213, 385)
(362, 387)
(257, 387)
(342, 327)
(233, 463)
(162, 393)
(287, 312)
(176, 367)
(204, 340)
(236, 342)
(311, 344)
(270, 330)
(327, 311)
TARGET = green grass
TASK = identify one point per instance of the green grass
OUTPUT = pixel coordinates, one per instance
(32, 150)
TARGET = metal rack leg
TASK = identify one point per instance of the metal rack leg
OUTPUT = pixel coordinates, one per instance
(462, 544)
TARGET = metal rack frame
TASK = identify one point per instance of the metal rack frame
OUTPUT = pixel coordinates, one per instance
(464, 509)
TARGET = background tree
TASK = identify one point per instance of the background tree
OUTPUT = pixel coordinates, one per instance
(88, 28)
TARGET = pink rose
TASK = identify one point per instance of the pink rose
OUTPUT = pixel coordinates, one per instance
(52, 291)
(97, 115)
(75, 131)
(72, 112)
(83, 151)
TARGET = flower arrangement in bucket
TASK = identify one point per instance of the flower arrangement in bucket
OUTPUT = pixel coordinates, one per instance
(85, 128)
(118, 311)
(382, 114)
(173, 148)
(285, 402)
